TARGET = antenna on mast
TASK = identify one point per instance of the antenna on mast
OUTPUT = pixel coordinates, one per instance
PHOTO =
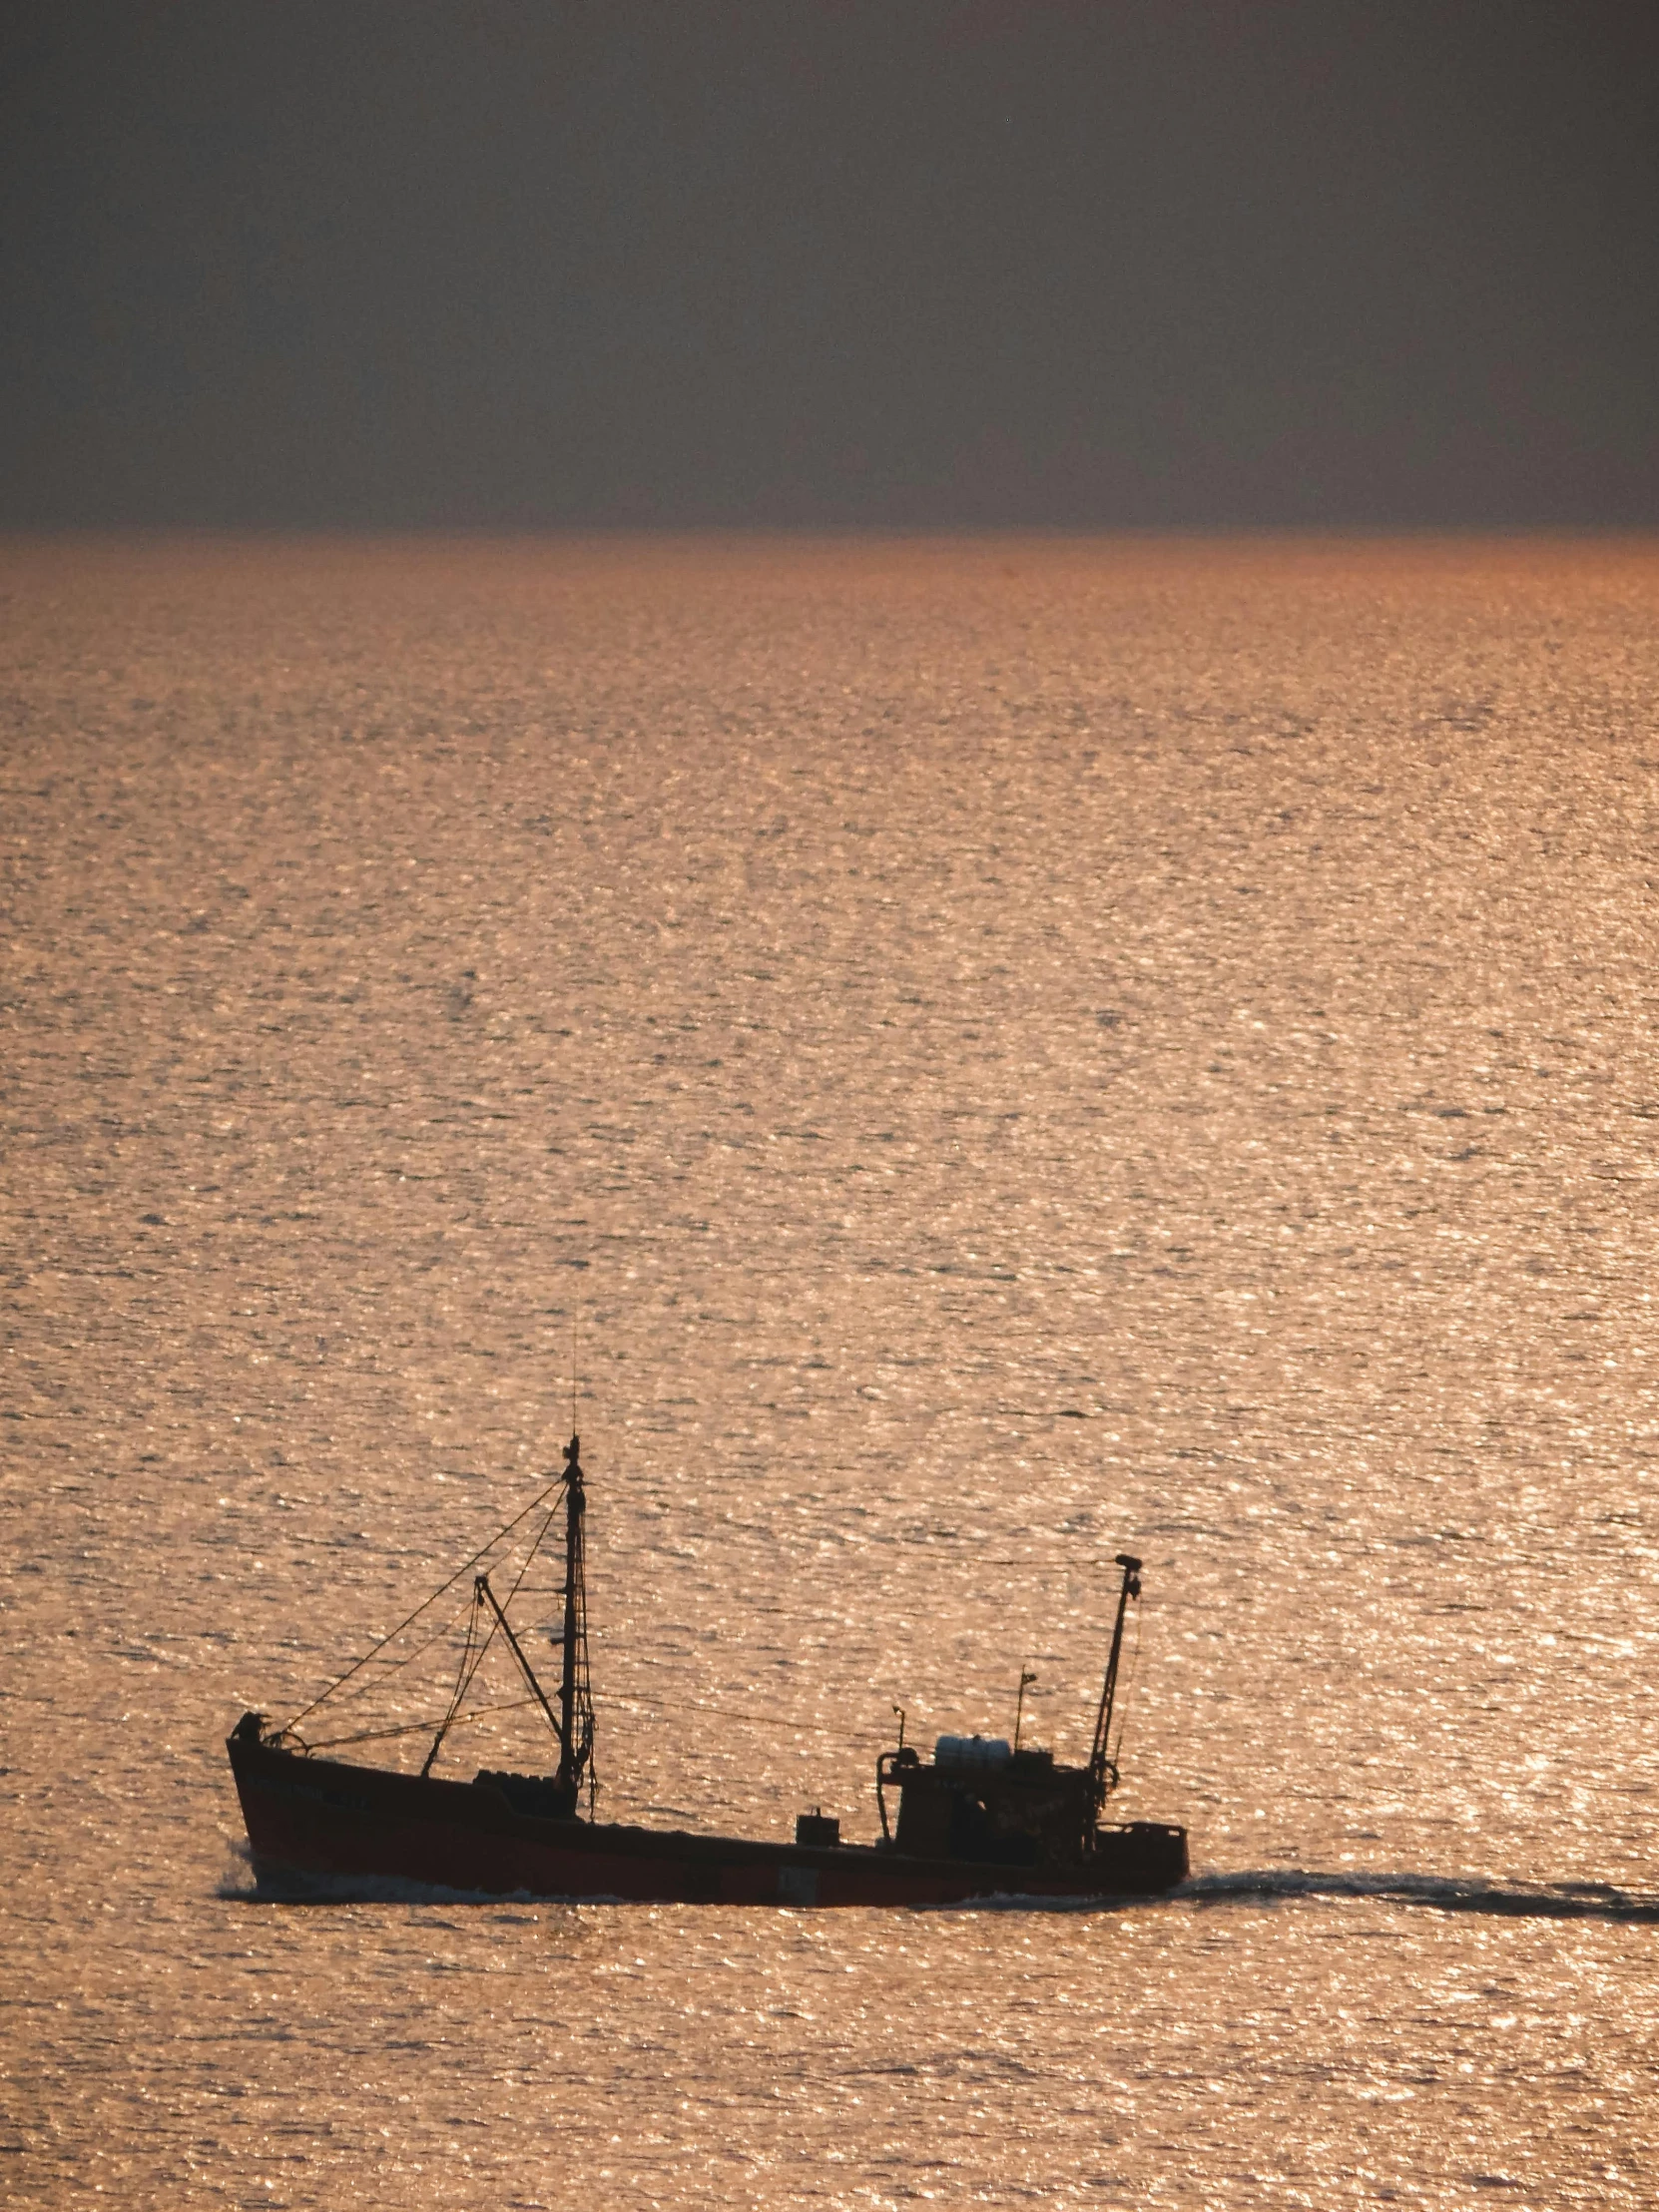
(1026, 1678)
(1102, 1772)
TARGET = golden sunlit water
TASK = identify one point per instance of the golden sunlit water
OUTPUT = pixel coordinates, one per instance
(1000, 1051)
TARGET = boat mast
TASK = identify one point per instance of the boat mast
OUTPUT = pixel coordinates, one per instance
(1101, 1769)
(575, 1722)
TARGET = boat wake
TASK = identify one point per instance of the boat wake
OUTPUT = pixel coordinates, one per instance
(1555, 1901)
(238, 1880)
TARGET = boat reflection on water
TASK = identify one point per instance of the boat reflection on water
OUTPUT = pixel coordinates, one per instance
(982, 1817)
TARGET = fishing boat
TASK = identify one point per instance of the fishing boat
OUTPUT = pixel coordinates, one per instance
(982, 1817)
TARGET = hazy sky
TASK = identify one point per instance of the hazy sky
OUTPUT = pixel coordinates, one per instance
(1141, 261)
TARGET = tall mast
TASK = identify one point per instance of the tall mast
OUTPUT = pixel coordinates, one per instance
(1100, 1765)
(575, 1724)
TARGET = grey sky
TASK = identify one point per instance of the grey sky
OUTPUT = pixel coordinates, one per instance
(899, 263)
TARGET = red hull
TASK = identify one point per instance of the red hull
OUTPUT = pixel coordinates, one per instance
(324, 1820)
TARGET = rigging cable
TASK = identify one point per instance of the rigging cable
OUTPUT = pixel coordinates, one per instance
(418, 1728)
(446, 1628)
(357, 1666)
(461, 1680)
(467, 1674)
(784, 1727)
(1128, 1690)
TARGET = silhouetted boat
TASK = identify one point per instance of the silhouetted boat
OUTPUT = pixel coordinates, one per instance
(982, 1817)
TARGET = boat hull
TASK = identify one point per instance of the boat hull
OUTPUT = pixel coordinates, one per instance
(333, 1825)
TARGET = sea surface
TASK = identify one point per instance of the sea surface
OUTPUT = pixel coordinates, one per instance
(964, 1057)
